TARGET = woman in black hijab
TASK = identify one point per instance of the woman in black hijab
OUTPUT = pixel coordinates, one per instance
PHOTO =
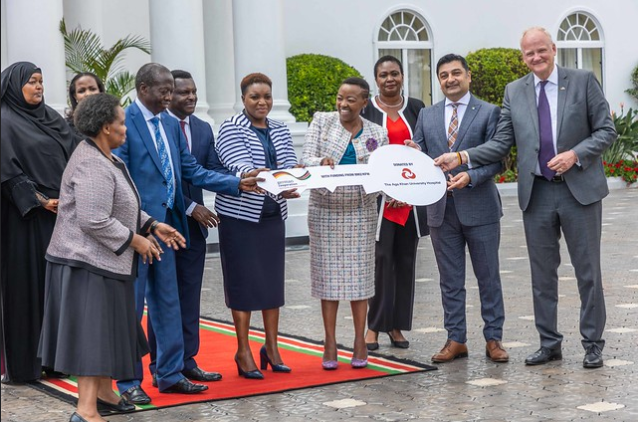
(36, 145)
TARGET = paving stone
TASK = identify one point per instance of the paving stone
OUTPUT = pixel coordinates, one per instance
(551, 392)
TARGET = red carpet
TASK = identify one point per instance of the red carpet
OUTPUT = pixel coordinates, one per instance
(216, 353)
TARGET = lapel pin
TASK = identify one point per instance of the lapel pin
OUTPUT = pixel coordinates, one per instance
(562, 88)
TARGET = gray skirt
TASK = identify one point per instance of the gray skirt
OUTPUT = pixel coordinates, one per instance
(90, 327)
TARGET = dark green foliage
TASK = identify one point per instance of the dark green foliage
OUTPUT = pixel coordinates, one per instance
(492, 69)
(84, 52)
(634, 81)
(313, 82)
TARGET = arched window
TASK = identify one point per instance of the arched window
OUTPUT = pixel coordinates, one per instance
(580, 44)
(405, 35)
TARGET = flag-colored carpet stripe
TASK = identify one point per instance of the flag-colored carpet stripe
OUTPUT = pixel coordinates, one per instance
(217, 351)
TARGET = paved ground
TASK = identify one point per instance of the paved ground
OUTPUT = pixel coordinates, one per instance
(472, 389)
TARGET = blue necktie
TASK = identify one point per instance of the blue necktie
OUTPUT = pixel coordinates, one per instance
(546, 152)
(167, 170)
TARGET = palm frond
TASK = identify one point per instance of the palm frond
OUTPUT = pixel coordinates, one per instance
(112, 58)
(85, 53)
(121, 84)
(82, 48)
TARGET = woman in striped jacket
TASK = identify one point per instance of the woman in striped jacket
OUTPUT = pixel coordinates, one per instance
(252, 231)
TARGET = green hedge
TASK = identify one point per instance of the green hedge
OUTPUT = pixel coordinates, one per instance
(492, 69)
(634, 81)
(313, 82)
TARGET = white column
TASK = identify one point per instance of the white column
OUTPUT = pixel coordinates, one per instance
(259, 47)
(177, 42)
(221, 85)
(3, 38)
(33, 35)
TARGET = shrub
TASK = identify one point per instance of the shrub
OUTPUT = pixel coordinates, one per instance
(313, 82)
(492, 69)
(626, 145)
(634, 81)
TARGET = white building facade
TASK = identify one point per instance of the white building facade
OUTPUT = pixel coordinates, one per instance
(220, 41)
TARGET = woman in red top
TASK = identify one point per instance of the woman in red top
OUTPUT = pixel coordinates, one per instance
(400, 224)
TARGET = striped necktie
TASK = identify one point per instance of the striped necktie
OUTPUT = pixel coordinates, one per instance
(453, 129)
(167, 170)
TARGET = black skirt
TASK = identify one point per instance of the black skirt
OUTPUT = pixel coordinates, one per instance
(90, 327)
(253, 262)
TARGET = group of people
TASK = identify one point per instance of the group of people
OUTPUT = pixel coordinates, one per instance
(131, 227)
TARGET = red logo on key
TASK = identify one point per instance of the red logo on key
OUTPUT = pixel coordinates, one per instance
(407, 174)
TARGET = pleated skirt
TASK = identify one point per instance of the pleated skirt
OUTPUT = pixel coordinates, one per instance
(90, 327)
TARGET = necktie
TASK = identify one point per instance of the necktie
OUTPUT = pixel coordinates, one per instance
(167, 170)
(546, 152)
(182, 124)
(453, 129)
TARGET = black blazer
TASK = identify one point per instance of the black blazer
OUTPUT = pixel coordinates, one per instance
(410, 114)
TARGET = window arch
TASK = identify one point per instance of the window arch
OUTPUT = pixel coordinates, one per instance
(405, 35)
(580, 43)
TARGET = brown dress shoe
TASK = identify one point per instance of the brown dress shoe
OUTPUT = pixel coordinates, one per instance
(495, 351)
(452, 350)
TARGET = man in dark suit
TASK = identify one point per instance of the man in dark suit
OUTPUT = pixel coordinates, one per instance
(560, 122)
(158, 159)
(190, 261)
(464, 217)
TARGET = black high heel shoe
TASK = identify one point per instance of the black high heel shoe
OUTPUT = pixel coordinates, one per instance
(251, 375)
(403, 344)
(265, 360)
(75, 417)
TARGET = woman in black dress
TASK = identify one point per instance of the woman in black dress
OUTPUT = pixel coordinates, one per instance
(402, 224)
(36, 145)
(81, 86)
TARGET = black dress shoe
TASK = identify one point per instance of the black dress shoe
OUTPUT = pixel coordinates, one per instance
(593, 357)
(154, 382)
(184, 386)
(543, 355)
(135, 395)
(198, 374)
(121, 406)
(75, 417)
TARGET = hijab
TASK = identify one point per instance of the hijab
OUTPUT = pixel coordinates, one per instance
(36, 140)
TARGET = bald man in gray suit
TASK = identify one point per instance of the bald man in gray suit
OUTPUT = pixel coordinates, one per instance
(560, 122)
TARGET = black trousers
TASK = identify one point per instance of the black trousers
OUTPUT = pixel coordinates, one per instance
(395, 262)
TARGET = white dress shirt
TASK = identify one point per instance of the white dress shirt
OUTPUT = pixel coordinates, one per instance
(148, 115)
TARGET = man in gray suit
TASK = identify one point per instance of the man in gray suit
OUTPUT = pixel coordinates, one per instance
(464, 217)
(560, 122)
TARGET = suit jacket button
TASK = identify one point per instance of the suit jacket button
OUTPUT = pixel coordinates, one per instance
(164, 204)
(164, 182)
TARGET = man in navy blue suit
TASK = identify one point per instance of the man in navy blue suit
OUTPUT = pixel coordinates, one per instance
(190, 261)
(158, 159)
